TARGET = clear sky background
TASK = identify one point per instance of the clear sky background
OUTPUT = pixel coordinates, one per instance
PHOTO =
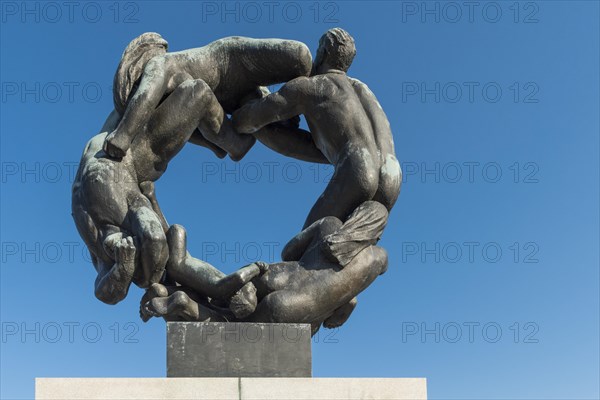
(493, 286)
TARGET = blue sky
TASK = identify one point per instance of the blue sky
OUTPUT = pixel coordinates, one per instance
(493, 284)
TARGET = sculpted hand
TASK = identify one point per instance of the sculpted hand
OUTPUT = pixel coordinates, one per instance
(241, 119)
(116, 145)
(147, 188)
(125, 255)
(292, 123)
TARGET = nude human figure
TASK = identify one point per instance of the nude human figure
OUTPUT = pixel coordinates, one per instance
(206, 294)
(209, 287)
(337, 261)
(333, 267)
(115, 210)
(346, 124)
(234, 68)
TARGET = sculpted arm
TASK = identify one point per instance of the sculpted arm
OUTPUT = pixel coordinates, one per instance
(259, 117)
(279, 106)
(292, 142)
(152, 87)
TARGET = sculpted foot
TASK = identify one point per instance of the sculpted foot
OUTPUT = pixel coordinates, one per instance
(341, 315)
(155, 291)
(177, 306)
(262, 266)
(116, 145)
(243, 303)
(244, 144)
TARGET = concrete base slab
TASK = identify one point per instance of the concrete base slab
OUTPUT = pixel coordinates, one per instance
(230, 388)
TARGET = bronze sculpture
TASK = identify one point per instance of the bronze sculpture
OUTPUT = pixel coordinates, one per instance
(164, 100)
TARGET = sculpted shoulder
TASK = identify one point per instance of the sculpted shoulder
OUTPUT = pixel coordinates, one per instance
(300, 87)
(370, 102)
(363, 91)
(94, 145)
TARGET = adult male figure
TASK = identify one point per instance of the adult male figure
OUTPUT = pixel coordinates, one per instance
(347, 125)
(234, 68)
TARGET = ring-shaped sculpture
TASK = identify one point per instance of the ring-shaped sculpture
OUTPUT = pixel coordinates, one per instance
(215, 96)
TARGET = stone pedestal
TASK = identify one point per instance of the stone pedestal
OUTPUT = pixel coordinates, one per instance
(215, 349)
(230, 388)
(234, 361)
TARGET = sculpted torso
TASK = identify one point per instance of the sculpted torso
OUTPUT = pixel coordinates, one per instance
(235, 67)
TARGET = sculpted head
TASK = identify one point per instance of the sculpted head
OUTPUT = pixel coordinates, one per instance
(336, 51)
(135, 57)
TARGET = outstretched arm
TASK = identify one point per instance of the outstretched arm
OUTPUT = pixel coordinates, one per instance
(260, 116)
(292, 142)
(295, 248)
(279, 106)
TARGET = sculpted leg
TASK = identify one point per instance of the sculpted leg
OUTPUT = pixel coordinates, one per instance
(341, 315)
(201, 120)
(178, 305)
(329, 294)
(148, 190)
(156, 290)
(175, 303)
(286, 306)
(177, 117)
(151, 241)
(234, 290)
(113, 281)
(355, 180)
(343, 286)
(297, 246)
(362, 229)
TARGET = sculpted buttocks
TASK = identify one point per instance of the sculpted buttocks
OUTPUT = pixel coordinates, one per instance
(346, 124)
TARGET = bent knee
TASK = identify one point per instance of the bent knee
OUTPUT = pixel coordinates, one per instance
(176, 234)
(380, 258)
(195, 90)
(109, 298)
(202, 96)
(286, 306)
(329, 225)
(154, 238)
